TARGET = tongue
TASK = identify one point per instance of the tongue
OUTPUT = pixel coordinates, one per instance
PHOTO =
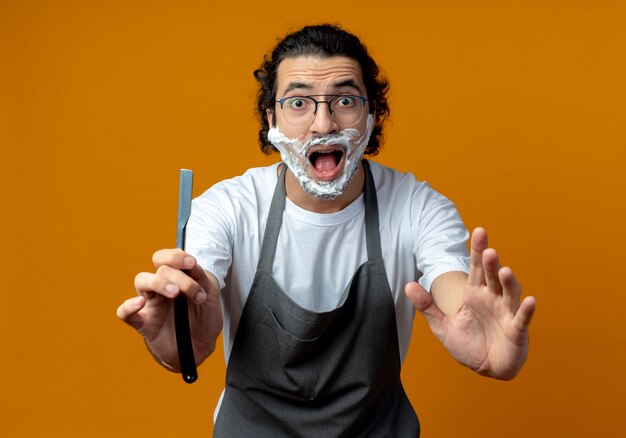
(325, 162)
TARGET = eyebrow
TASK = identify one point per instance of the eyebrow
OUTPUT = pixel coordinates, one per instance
(303, 86)
(348, 83)
(297, 85)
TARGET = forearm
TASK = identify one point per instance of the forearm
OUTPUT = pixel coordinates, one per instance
(170, 362)
(170, 367)
(447, 291)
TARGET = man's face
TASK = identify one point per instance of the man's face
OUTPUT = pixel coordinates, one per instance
(324, 151)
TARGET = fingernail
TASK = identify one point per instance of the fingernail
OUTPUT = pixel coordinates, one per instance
(201, 297)
(171, 288)
(189, 262)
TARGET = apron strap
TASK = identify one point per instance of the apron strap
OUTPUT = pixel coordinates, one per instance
(372, 233)
(274, 221)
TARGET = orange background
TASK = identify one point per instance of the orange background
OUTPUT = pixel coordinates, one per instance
(515, 110)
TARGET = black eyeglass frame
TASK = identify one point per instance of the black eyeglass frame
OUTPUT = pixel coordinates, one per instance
(327, 102)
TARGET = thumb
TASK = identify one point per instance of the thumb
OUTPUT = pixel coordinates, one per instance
(425, 304)
(128, 312)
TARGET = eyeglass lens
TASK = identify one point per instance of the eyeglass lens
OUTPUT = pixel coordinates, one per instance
(345, 110)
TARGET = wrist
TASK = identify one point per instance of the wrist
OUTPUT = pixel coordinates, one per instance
(168, 366)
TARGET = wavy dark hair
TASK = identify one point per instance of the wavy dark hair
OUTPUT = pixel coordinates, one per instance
(323, 40)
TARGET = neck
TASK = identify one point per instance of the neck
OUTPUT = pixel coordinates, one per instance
(305, 200)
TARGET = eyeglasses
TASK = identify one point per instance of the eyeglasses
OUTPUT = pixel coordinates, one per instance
(345, 109)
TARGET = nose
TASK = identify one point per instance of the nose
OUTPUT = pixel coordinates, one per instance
(323, 121)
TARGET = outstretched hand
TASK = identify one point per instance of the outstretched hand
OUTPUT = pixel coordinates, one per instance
(151, 313)
(489, 331)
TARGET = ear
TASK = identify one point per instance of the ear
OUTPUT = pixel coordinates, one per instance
(269, 114)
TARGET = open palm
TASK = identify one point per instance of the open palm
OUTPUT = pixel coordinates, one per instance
(489, 331)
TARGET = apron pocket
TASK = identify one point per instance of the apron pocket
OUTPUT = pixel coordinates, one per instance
(279, 361)
(285, 339)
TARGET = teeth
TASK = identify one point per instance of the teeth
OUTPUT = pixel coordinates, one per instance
(325, 152)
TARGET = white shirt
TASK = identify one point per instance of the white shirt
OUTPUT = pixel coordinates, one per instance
(422, 237)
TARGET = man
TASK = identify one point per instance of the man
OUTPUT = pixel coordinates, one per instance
(310, 267)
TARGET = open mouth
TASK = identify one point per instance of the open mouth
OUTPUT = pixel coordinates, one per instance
(326, 162)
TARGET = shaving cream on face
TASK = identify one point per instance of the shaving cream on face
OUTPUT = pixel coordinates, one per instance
(294, 153)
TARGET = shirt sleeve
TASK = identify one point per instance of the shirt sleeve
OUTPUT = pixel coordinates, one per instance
(209, 235)
(440, 244)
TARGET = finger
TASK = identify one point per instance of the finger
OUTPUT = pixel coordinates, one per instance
(525, 313)
(211, 285)
(179, 259)
(185, 284)
(147, 283)
(176, 258)
(491, 268)
(425, 304)
(128, 312)
(512, 290)
(478, 245)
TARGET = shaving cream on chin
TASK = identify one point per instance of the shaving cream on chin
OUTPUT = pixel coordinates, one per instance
(294, 153)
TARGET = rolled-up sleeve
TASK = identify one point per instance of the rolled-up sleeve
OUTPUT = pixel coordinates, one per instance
(440, 242)
(209, 233)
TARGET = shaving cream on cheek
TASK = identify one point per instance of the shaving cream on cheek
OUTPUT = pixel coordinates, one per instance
(294, 153)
